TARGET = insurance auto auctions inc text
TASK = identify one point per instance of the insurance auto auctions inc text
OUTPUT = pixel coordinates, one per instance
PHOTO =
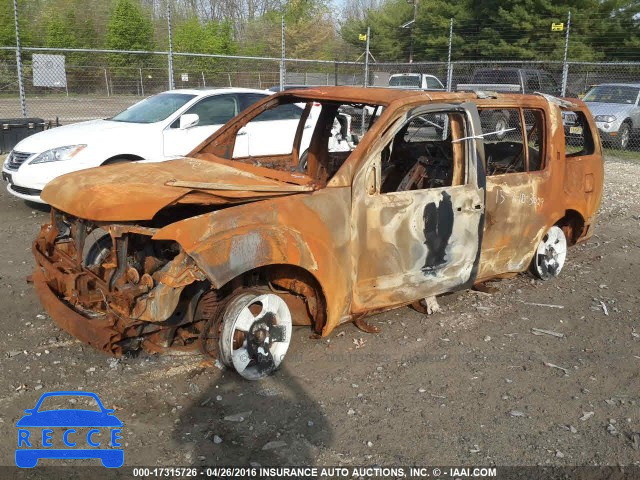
(378, 472)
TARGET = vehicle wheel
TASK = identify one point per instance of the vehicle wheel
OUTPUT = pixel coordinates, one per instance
(115, 160)
(302, 162)
(97, 248)
(551, 254)
(624, 134)
(499, 123)
(256, 332)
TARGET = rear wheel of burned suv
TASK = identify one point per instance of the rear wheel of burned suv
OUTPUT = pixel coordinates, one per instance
(256, 332)
(550, 254)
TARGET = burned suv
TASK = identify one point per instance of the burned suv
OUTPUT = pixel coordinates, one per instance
(224, 253)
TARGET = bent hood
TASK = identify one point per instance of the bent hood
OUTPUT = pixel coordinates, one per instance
(137, 191)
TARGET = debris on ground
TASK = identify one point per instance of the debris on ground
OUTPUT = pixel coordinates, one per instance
(542, 331)
(587, 415)
(541, 304)
(553, 365)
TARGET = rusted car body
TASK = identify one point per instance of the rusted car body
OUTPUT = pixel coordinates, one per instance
(425, 204)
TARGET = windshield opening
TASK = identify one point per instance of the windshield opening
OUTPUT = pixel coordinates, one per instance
(612, 94)
(153, 109)
(307, 139)
(405, 81)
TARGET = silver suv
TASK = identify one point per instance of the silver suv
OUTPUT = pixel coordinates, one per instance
(614, 107)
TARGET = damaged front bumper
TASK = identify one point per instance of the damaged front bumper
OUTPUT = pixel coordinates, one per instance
(134, 297)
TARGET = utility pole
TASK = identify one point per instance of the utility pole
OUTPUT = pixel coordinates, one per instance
(170, 66)
(23, 102)
(565, 64)
(366, 60)
(283, 70)
(449, 69)
(413, 25)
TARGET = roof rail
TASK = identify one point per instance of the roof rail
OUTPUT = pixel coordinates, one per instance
(562, 103)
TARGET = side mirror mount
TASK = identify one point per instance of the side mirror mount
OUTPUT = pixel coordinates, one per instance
(189, 120)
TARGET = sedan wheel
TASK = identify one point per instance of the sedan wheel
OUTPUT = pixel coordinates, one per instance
(256, 331)
(551, 254)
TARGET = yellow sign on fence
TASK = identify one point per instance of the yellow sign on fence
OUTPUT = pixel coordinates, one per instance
(557, 27)
(362, 37)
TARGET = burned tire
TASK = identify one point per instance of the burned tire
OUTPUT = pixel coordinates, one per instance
(550, 255)
(97, 248)
(256, 332)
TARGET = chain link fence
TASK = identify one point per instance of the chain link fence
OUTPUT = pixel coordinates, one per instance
(67, 85)
(85, 85)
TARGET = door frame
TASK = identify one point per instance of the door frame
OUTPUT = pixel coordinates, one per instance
(379, 292)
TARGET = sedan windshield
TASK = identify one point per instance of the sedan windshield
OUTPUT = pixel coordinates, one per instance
(612, 94)
(153, 109)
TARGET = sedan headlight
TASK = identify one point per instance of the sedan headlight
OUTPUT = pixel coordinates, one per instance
(58, 154)
(605, 118)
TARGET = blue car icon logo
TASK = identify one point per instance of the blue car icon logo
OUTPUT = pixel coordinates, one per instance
(69, 433)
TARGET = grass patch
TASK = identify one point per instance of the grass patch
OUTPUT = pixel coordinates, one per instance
(629, 155)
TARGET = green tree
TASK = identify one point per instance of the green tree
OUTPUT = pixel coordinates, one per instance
(309, 31)
(129, 29)
(194, 36)
(501, 29)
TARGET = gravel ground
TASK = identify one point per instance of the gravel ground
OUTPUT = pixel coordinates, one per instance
(470, 385)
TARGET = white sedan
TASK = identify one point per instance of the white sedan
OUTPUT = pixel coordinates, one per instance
(161, 127)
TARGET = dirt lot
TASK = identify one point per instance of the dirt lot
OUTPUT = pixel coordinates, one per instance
(470, 385)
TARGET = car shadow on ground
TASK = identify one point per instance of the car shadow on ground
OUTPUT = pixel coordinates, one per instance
(41, 207)
(237, 422)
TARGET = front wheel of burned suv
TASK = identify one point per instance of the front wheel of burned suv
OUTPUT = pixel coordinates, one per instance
(255, 333)
(550, 254)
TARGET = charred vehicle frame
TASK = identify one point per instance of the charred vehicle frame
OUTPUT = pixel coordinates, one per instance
(225, 254)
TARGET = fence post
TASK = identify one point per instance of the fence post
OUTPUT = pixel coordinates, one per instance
(141, 83)
(204, 83)
(449, 71)
(170, 58)
(565, 64)
(106, 81)
(23, 101)
(366, 60)
(283, 71)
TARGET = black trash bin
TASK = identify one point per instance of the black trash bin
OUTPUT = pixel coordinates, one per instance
(12, 130)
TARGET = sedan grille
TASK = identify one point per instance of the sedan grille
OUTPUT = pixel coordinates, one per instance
(569, 118)
(16, 159)
(25, 190)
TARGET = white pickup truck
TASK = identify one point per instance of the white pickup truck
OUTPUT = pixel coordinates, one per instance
(415, 81)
